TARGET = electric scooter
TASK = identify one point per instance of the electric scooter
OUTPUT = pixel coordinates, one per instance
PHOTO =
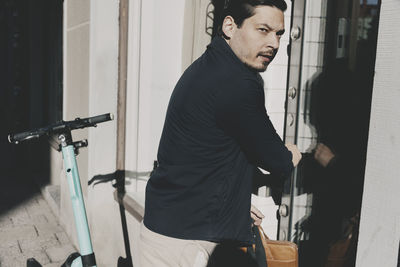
(62, 131)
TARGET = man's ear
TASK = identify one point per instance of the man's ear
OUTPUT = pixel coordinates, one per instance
(228, 27)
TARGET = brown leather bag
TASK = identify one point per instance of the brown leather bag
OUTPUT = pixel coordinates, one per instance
(342, 253)
(278, 253)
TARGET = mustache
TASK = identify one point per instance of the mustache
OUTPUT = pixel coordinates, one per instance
(270, 54)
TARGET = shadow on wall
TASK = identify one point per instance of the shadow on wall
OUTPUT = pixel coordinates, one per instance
(118, 176)
(30, 92)
(398, 259)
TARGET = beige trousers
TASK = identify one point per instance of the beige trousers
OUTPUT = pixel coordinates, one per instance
(162, 251)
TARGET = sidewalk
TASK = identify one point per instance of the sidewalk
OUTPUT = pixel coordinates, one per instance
(31, 230)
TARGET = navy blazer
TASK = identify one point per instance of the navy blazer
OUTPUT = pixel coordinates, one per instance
(216, 132)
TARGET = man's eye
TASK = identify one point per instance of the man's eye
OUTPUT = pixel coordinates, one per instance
(262, 30)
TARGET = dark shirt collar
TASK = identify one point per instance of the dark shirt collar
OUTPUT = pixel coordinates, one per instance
(218, 43)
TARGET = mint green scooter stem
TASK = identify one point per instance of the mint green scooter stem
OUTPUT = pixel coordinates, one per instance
(82, 227)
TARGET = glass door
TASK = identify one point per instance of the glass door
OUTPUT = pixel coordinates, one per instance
(331, 67)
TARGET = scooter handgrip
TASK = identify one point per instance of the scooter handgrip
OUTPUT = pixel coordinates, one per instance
(18, 137)
(101, 118)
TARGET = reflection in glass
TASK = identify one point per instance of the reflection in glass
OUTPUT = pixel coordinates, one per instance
(336, 85)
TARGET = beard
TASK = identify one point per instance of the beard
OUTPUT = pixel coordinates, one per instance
(264, 64)
(261, 68)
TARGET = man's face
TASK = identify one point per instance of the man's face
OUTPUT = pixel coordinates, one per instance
(256, 42)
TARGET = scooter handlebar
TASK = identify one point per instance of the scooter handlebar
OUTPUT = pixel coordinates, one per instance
(60, 127)
(101, 118)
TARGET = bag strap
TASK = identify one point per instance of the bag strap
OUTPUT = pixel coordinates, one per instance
(264, 241)
(260, 256)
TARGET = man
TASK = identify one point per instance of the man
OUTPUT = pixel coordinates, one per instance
(216, 134)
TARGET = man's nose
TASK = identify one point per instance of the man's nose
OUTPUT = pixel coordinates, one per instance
(273, 40)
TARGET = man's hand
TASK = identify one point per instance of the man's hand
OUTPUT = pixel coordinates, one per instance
(323, 154)
(256, 215)
(296, 155)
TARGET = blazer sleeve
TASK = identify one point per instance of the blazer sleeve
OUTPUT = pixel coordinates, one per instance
(241, 113)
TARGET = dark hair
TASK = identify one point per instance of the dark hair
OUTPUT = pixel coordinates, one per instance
(240, 10)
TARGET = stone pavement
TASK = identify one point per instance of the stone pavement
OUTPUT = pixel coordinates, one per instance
(31, 230)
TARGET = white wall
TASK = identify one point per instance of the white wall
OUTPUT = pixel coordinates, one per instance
(103, 211)
(90, 88)
(75, 98)
(154, 67)
(155, 56)
(378, 243)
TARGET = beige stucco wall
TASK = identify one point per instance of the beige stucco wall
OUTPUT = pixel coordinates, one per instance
(103, 211)
(154, 66)
(75, 96)
(380, 215)
(155, 56)
(90, 88)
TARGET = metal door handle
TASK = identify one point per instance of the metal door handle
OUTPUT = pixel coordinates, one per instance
(283, 210)
(295, 33)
